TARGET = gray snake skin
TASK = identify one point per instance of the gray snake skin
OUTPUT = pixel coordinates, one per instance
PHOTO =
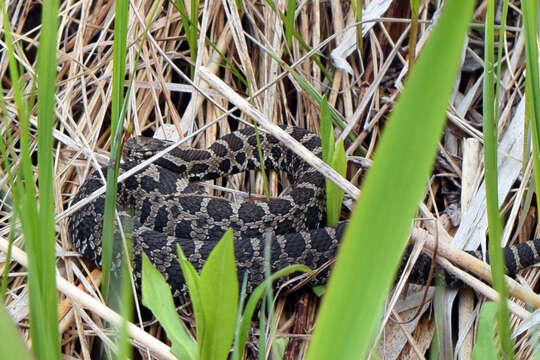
(168, 210)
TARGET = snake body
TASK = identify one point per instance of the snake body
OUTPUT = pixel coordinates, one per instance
(168, 210)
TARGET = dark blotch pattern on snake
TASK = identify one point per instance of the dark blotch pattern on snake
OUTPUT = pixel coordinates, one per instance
(168, 210)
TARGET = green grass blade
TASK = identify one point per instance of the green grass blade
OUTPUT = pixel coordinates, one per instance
(359, 40)
(530, 20)
(12, 345)
(126, 307)
(7, 265)
(327, 132)
(413, 33)
(123, 296)
(253, 300)
(117, 115)
(41, 240)
(156, 295)
(490, 161)
(119, 67)
(261, 161)
(22, 107)
(243, 294)
(532, 86)
(485, 348)
(192, 280)
(289, 22)
(193, 29)
(334, 194)
(502, 31)
(7, 167)
(219, 295)
(336, 159)
(190, 27)
(381, 222)
(262, 329)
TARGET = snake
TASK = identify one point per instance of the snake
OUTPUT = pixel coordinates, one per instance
(165, 208)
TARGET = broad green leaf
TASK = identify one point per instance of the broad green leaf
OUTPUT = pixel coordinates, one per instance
(219, 297)
(380, 224)
(485, 348)
(12, 345)
(334, 194)
(156, 295)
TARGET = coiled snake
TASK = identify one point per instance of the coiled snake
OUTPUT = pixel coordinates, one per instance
(168, 210)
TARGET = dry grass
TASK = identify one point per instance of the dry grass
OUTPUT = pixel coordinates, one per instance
(363, 99)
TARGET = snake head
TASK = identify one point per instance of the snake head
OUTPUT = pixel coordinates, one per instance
(141, 147)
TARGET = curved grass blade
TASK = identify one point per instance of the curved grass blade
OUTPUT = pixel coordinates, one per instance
(380, 224)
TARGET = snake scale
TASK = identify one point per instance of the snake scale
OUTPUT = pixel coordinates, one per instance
(167, 209)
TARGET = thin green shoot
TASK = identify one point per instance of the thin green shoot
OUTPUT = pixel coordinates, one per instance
(490, 162)
(261, 161)
(289, 22)
(413, 34)
(358, 4)
(189, 21)
(333, 155)
(119, 57)
(532, 86)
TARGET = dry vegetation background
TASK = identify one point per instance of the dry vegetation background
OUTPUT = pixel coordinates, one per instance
(364, 98)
